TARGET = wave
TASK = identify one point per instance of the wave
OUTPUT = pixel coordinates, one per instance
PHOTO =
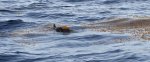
(111, 1)
(124, 57)
(13, 24)
(10, 26)
(32, 6)
(86, 18)
(76, 0)
(37, 5)
(11, 2)
(9, 11)
(121, 1)
(36, 15)
(7, 58)
(53, 16)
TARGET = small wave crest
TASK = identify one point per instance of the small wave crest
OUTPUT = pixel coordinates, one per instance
(37, 6)
(76, 0)
(53, 16)
(121, 1)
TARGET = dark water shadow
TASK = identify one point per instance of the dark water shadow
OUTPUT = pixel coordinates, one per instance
(8, 58)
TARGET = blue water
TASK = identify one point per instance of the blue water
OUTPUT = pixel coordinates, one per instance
(82, 46)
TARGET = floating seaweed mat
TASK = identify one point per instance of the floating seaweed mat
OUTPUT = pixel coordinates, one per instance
(138, 27)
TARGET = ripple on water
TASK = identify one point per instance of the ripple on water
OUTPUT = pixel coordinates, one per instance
(124, 58)
(10, 2)
(7, 10)
(111, 1)
(89, 40)
(52, 16)
(88, 18)
(87, 37)
(37, 6)
(121, 1)
(37, 15)
(76, 0)
(7, 57)
(73, 58)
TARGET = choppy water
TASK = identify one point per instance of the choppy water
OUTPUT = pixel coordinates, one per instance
(83, 46)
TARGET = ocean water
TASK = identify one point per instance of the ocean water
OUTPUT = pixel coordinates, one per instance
(81, 46)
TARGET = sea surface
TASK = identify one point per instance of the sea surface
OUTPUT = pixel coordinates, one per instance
(81, 46)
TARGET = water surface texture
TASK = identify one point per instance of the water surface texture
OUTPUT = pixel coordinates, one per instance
(81, 46)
